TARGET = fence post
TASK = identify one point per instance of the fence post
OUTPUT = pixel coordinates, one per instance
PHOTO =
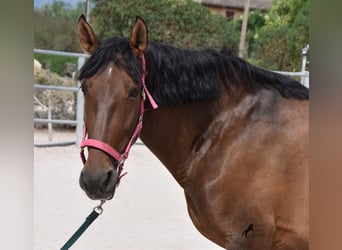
(49, 117)
(79, 106)
(304, 55)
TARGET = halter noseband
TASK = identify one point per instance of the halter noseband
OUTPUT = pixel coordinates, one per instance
(121, 157)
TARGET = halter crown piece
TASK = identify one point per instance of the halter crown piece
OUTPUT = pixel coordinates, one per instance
(106, 148)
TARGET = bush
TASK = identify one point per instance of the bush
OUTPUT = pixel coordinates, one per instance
(55, 26)
(63, 103)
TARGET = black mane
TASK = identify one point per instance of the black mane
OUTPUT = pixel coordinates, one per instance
(116, 50)
(181, 76)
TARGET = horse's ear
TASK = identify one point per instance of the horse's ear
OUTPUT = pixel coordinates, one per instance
(139, 37)
(86, 35)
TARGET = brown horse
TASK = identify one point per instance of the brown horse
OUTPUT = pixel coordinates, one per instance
(234, 136)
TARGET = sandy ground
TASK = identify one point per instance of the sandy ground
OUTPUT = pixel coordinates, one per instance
(147, 212)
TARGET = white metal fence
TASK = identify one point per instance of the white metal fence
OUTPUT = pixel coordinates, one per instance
(304, 76)
(80, 101)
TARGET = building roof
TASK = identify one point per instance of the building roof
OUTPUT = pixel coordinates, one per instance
(239, 4)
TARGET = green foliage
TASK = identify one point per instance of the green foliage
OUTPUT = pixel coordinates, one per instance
(274, 39)
(181, 23)
(55, 63)
(55, 26)
(256, 20)
(278, 43)
(55, 29)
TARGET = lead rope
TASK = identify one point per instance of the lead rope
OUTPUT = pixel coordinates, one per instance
(90, 219)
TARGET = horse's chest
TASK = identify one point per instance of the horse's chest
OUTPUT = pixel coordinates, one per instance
(205, 222)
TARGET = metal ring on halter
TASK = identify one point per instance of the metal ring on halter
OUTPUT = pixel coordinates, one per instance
(98, 209)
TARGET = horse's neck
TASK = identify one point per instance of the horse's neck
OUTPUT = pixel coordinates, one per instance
(176, 133)
(169, 132)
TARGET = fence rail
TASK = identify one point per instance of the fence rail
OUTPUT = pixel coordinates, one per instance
(52, 87)
(303, 75)
(55, 121)
(59, 53)
(80, 101)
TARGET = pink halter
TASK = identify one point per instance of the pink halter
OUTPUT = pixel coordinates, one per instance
(109, 149)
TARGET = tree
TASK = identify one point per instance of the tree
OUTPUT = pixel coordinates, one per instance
(183, 23)
(55, 29)
(278, 43)
(55, 26)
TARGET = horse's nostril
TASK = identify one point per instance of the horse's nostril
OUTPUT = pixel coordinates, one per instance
(108, 181)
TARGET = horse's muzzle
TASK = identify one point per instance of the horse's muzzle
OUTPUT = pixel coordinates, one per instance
(99, 185)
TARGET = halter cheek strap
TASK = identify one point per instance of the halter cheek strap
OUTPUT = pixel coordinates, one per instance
(106, 148)
(149, 96)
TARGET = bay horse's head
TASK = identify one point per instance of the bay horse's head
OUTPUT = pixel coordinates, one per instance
(111, 83)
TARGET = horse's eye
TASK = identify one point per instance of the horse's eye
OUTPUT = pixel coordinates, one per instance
(84, 87)
(134, 92)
